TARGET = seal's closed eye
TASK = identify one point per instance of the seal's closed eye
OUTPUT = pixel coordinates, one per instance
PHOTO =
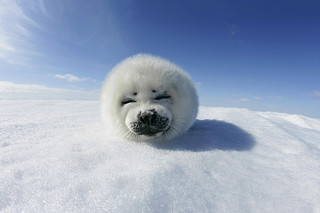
(163, 96)
(127, 101)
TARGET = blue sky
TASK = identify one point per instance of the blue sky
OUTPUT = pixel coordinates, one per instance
(261, 55)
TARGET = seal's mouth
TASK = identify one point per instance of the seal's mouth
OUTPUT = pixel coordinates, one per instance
(150, 123)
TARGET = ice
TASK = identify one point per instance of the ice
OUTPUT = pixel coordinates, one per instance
(56, 156)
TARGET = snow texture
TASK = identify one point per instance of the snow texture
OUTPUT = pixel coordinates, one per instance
(55, 156)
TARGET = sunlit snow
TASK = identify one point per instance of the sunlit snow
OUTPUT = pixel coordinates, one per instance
(55, 156)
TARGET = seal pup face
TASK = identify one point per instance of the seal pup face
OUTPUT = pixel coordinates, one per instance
(147, 113)
(146, 104)
(147, 98)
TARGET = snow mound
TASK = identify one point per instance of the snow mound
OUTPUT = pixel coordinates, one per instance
(55, 156)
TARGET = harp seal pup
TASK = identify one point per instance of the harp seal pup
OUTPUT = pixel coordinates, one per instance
(148, 98)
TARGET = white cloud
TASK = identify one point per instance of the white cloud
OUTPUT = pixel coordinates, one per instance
(256, 98)
(9, 90)
(72, 78)
(69, 77)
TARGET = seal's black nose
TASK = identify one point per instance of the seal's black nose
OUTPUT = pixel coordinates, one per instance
(150, 123)
(149, 118)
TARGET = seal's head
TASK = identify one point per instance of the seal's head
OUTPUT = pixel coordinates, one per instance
(147, 98)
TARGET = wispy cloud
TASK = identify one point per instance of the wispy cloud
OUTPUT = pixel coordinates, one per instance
(243, 99)
(316, 93)
(4, 45)
(198, 84)
(256, 98)
(73, 78)
(16, 31)
(28, 30)
(9, 90)
(276, 97)
(233, 28)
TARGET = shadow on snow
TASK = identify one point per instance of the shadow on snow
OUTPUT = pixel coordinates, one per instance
(207, 135)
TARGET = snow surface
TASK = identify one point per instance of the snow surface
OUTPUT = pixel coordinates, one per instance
(55, 156)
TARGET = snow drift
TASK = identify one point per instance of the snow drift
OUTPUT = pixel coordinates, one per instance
(56, 156)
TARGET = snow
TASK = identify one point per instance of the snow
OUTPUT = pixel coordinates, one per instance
(55, 156)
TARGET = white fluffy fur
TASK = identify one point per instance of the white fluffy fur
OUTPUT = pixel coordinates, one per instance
(141, 74)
